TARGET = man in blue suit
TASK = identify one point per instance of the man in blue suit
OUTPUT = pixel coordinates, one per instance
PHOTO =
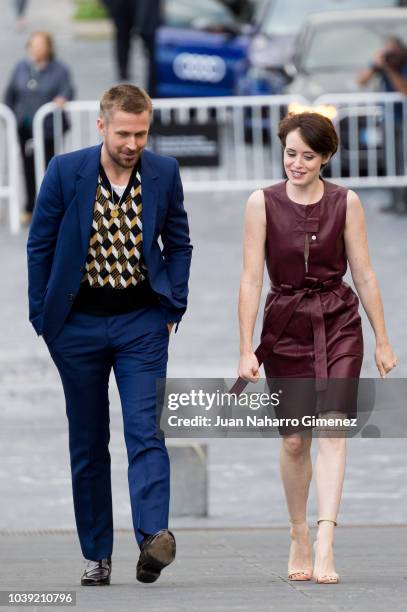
(104, 295)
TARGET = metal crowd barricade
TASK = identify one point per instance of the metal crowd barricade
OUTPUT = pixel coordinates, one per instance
(371, 127)
(9, 181)
(373, 138)
(77, 131)
(247, 154)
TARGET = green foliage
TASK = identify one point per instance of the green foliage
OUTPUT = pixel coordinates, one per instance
(90, 9)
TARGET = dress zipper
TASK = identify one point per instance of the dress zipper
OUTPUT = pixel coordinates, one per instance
(306, 252)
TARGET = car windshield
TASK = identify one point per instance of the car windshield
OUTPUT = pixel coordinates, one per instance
(187, 14)
(334, 47)
(287, 16)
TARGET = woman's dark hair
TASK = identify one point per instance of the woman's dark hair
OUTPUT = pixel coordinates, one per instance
(315, 129)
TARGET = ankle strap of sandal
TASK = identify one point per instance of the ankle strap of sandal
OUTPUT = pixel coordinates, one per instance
(328, 520)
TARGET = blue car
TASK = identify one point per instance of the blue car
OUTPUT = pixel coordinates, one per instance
(201, 50)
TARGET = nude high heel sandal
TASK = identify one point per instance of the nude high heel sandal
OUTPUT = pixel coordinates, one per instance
(298, 575)
(326, 578)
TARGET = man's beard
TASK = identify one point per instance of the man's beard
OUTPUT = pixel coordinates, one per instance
(119, 161)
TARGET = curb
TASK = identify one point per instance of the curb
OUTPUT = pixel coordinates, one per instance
(93, 30)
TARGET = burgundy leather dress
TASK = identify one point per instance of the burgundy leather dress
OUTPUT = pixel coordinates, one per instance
(311, 325)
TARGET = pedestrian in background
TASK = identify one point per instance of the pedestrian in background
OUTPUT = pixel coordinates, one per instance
(130, 16)
(390, 64)
(123, 15)
(20, 7)
(39, 79)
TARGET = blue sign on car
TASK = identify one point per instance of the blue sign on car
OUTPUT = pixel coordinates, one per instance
(200, 52)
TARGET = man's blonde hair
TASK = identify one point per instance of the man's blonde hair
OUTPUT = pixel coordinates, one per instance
(127, 98)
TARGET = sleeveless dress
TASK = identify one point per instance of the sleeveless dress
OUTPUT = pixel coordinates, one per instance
(311, 325)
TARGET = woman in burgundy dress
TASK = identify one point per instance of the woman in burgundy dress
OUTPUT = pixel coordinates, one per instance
(307, 229)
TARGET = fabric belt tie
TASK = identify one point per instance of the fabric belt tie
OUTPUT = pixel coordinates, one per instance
(277, 325)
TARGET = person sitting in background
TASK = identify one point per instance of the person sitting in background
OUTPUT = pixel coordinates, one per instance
(390, 64)
(35, 81)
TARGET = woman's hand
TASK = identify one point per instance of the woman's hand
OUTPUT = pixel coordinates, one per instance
(59, 101)
(385, 359)
(249, 367)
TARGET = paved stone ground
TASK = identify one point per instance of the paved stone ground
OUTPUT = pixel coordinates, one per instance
(235, 570)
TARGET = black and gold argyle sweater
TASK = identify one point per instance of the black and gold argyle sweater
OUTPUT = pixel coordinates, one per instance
(115, 277)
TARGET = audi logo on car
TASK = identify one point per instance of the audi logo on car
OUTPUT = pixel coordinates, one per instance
(197, 67)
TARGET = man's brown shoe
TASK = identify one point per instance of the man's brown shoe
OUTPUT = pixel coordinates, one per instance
(157, 551)
(97, 573)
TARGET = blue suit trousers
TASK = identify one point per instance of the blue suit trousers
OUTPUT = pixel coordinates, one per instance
(135, 345)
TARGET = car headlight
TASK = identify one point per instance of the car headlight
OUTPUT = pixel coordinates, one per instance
(327, 110)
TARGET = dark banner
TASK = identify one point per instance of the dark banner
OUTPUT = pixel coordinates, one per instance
(192, 144)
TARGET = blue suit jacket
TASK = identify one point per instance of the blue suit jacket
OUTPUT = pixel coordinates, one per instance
(60, 231)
